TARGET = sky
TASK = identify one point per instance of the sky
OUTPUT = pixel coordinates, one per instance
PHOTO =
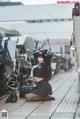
(32, 2)
(29, 2)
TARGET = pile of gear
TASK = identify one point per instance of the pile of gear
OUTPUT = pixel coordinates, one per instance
(5, 59)
(8, 85)
(13, 86)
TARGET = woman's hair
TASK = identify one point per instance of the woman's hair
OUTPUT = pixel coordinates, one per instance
(44, 54)
(41, 55)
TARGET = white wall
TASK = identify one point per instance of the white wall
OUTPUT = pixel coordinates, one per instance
(77, 36)
(24, 12)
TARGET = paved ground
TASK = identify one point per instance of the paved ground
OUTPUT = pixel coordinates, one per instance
(66, 106)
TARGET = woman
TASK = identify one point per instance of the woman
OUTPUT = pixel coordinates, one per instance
(43, 88)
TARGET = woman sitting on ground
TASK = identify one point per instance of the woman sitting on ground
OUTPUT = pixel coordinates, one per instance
(43, 88)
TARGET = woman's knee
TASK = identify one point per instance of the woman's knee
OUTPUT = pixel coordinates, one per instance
(30, 97)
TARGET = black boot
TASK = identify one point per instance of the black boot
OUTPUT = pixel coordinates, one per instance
(8, 100)
(14, 99)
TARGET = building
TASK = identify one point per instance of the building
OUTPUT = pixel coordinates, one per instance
(5, 0)
(4, 3)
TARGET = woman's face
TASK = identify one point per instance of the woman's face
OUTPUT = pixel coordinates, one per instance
(40, 60)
